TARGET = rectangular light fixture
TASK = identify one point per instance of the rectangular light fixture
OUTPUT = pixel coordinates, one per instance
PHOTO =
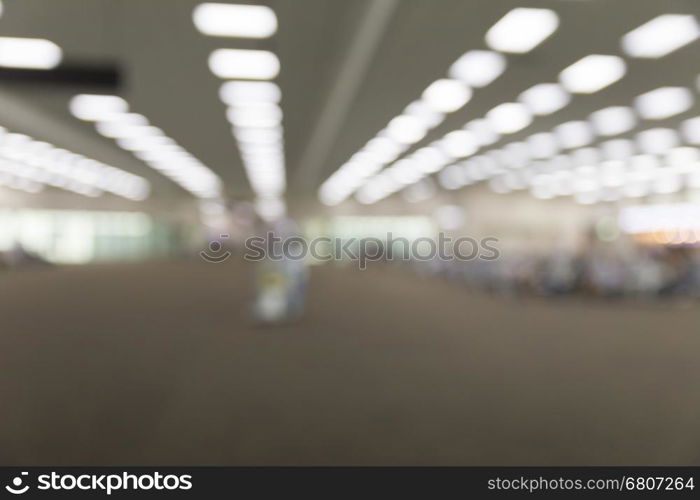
(661, 36)
(233, 93)
(232, 20)
(384, 149)
(483, 132)
(406, 129)
(617, 149)
(613, 120)
(245, 64)
(592, 73)
(574, 134)
(690, 129)
(508, 118)
(446, 95)
(459, 144)
(478, 68)
(542, 145)
(29, 53)
(255, 116)
(92, 107)
(545, 98)
(664, 102)
(259, 136)
(522, 29)
(657, 140)
(425, 113)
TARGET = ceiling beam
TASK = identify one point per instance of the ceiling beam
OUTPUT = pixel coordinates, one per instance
(348, 80)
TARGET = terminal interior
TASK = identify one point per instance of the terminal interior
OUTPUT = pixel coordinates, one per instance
(495, 208)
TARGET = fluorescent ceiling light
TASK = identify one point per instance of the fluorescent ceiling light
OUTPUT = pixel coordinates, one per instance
(430, 159)
(483, 132)
(117, 130)
(478, 68)
(425, 113)
(612, 173)
(452, 177)
(517, 154)
(495, 158)
(661, 36)
(663, 102)
(592, 73)
(542, 145)
(384, 149)
(485, 165)
(257, 148)
(233, 93)
(404, 172)
(154, 155)
(667, 182)
(545, 98)
(446, 95)
(585, 157)
(29, 53)
(255, 116)
(364, 166)
(683, 157)
(574, 134)
(243, 63)
(259, 135)
(126, 119)
(644, 163)
(151, 131)
(613, 120)
(657, 140)
(617, 149)
(459, 144)
(509, 117)
(522, 29)
(144, 143)
(244, 21)
(406, 129)
(691, 130)
(97, 107)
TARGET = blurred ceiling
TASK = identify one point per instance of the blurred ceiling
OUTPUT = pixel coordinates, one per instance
(163, 59)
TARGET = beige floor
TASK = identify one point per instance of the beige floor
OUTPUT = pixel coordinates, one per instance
(158, 364)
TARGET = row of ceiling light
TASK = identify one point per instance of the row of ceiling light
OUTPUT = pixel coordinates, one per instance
(134, 133)
(252, 100)
(112, 118)
(474, 69)
(30, 165)
(519, 31)
(655, 162)
(658, 104)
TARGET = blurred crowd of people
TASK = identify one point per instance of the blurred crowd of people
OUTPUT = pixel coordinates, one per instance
(599, 269)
